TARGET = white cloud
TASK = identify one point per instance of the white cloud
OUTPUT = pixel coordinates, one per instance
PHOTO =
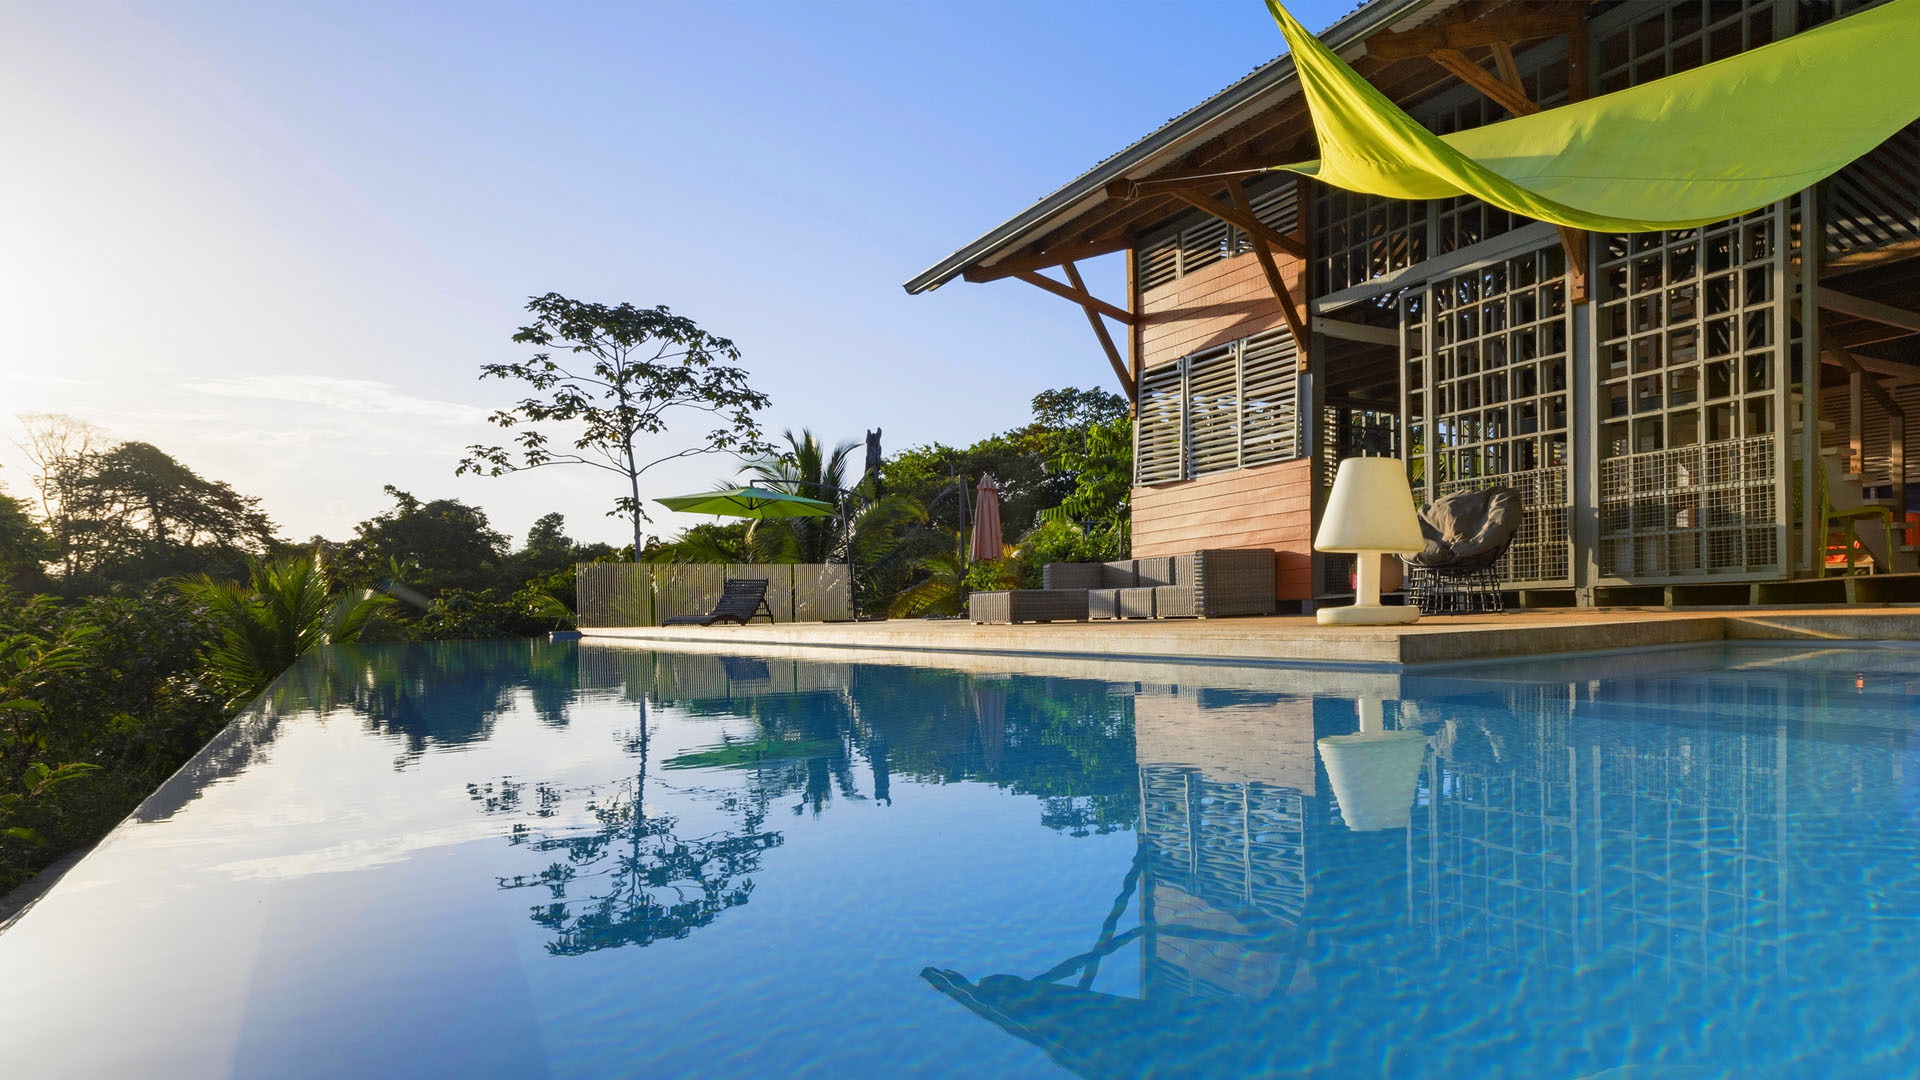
(364, 397)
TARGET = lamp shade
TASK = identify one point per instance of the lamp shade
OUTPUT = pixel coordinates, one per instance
(1371, 509)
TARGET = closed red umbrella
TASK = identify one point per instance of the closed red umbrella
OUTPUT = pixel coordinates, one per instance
(986, 521)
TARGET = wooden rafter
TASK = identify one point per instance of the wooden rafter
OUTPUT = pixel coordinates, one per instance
(1467, 33)
(1510, 93)
(1100, 331)
(1013, 265)
(1870, 310)
(1511, 98)
(1247, 223)
(1288, 310)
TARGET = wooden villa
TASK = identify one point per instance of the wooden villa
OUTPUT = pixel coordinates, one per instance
(1649, 394)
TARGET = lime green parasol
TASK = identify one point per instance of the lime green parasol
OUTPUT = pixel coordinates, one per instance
(748, 502)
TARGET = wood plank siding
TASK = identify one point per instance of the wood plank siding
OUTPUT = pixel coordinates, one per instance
(1267, 506)
(1263, 506)
(1223, 302)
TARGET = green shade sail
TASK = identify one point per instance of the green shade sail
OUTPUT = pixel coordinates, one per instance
(1701, 146)
(748, 502)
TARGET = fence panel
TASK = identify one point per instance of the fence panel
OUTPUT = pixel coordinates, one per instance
(822, 592)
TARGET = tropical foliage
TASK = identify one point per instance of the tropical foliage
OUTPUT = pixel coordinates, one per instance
(103, 699)
(283, 608)
(1064, 479)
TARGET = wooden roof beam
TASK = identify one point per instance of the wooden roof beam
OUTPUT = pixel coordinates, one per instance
(1013, 265)
(1509, 97)
(1870, 310)
(1467, 33)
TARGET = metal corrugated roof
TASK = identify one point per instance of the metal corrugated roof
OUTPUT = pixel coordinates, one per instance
(1090, 187)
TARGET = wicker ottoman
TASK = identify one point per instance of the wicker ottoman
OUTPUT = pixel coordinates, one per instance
(1136, 603)
(1103, 603)
(1028, 605)
(1174, 602)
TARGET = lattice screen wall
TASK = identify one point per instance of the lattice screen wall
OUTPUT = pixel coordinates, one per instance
(1228, 407)
(1690, 330)
(1485, 369)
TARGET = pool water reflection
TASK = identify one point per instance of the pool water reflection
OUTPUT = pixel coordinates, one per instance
(573, 859)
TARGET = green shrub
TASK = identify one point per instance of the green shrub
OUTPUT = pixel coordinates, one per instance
(123, 697)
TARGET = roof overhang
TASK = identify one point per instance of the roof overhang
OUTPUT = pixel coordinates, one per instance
(1268, 85)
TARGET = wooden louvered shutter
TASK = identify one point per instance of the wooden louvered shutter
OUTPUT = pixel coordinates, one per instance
(1203, 244)
(1278, 207)
(1159, 425)
(1213, 411)
(1269, 398)
(1159, 260)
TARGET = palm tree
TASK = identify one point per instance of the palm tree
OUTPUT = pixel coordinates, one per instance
(283, 608)
(808, 468)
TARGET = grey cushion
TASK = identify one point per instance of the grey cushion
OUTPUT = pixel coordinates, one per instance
(1118, 575)
(1156, 571)
(1468, 525)
(1070, 576)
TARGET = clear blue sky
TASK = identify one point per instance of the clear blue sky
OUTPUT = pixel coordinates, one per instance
(278, 240)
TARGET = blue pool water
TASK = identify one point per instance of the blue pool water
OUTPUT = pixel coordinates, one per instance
(583, 860)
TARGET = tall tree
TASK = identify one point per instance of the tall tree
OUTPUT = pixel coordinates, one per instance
(630, 368)
(56, 444)
(134, 513)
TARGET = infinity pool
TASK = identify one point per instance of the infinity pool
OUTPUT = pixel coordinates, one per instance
(565, 860)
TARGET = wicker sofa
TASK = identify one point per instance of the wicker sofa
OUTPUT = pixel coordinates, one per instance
(1206, 584)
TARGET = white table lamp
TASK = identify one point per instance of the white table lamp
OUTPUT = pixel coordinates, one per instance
(1370, 514)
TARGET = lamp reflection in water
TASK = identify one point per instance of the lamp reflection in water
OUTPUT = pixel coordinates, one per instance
(1374, 772)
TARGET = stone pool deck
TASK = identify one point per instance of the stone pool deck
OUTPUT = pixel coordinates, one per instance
(1298, 639)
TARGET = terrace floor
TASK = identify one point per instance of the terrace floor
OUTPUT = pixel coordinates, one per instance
(1299, 639)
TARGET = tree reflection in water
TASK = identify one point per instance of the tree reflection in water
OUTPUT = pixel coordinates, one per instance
(622, 872)
(630, 878)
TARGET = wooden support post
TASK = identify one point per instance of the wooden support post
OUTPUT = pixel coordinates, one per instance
(1075, 292)
(1897, 467)
(1100, 330)
(1577, 241)
(1856, 422)
(1303, 231)
(1133, 330)
(1295, 324)
(1896, 416)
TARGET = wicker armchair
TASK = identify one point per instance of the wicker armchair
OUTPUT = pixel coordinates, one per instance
(1467, 534)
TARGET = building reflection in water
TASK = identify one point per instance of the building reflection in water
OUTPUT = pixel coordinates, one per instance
(1585, 883)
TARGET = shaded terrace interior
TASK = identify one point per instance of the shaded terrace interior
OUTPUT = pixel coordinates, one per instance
(1646, 393)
